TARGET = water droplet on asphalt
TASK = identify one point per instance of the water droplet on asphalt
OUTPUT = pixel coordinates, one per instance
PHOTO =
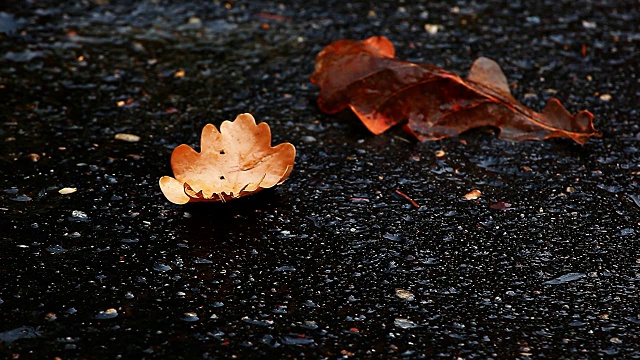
(405, 323)
(161, 267)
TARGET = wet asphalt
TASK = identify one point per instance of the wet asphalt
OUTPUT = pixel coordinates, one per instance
(335, 262)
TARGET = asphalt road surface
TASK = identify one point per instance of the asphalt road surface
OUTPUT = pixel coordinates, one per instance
(334, 263)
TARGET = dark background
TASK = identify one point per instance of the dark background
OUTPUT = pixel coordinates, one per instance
(333, 263)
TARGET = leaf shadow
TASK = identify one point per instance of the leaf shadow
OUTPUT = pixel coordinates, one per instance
(210, 224)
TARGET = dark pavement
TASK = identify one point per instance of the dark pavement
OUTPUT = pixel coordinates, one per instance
(333, 263)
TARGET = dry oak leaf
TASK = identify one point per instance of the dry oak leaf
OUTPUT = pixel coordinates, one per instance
(236, 161)
(384, 91)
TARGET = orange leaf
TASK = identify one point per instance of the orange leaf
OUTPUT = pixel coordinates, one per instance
(236, 161)
(433, 103)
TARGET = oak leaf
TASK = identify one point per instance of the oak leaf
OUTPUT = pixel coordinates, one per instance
(236, 161)
(384, 91)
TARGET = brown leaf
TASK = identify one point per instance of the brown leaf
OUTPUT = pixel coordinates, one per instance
(236, 161)
(384, 91)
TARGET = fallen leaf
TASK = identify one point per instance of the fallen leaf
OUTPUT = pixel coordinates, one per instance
(433, 103)
(236, 161)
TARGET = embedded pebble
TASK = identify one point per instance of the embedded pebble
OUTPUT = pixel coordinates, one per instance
(432, 29)
(67, 190)
(127, 137)
(107, 314)
(190, 317)
(404, 294)
(473, 194)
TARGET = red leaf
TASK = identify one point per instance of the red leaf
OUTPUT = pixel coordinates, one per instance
(384, 91)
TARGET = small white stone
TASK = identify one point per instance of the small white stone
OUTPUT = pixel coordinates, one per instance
(127, 137)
